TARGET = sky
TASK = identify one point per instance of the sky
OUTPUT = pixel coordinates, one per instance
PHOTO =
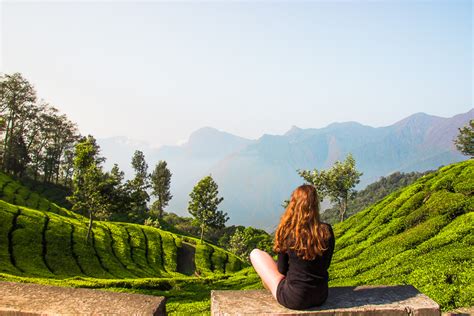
(157, 71)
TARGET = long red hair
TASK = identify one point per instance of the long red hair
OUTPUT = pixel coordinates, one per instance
(300, 229)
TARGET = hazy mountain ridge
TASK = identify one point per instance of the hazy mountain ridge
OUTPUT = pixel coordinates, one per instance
(256, 176)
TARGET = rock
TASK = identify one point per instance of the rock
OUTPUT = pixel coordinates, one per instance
(35, 299)
(342, 301)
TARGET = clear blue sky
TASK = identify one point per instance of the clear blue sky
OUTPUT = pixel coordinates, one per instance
(156, 71)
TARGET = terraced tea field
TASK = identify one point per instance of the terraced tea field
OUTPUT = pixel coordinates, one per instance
(40, 241)
(422, 235)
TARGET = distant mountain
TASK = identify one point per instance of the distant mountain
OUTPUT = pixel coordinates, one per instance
(194, 159)
(188, 162)
(120, 150)
(254, 177)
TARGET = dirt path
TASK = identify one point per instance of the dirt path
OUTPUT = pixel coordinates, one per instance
(185, 259)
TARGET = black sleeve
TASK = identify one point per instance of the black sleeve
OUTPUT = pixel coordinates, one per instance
(282, 263)
(332, 244)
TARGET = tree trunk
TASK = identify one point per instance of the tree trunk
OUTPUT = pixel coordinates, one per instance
(202, 231)
(5, 147)
(343, 208)
(8, 144)
(90, 227)
(9, 125)
(160, 213)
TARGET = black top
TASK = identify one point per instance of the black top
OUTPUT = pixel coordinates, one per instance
(306, 282)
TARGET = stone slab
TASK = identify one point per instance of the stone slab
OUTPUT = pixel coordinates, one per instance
(342, 301)
(35, 299)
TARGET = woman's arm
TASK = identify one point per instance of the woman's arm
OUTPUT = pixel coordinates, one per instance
(282, 263)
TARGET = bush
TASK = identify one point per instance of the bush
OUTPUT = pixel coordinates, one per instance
(202, 258)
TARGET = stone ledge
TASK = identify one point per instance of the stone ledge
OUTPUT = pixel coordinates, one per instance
(342, 301)
(35, 299)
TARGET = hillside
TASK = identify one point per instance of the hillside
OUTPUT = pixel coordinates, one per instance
(34, 227)
(422, 235)
(42, 242)
(14, 192)
(372, 194)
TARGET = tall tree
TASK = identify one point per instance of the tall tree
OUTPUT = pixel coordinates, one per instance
(61, 137)
(204, 205)
(67, 167)
(35, 136)
(465, 139)
(117, 194)
(337, 183)
(318, 178)
(138, 187)
(88, 182)
(160, 184)
(17, 98)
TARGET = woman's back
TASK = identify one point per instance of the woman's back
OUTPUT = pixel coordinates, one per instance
(304, 245)
(306, 281)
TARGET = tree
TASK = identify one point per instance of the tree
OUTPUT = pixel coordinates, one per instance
(337, 183)
(318, 178)
(138, 187)
(35, 136)
(88, 182)
(17, 98)
(117, 194)
(237, 243)
(160, 184)
(465, 140)
(372, 193)
(204, 205)
(244, 240)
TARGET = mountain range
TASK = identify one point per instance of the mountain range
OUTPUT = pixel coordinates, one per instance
(256, 176)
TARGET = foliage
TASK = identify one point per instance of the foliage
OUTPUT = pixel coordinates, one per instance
(204, 205)
(420, 235)
(117, 194)
(465, 140)
(59, 250)
(337, 183)
(138, 187)
(178, 224)
(36, 140)
(237, 244)
(152, 222)
(17, 99)
(88, 182)
(372, 193)
(160, 184)
(244, 240)
(55, 193)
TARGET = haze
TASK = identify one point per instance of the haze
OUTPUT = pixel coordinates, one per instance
(156, 71)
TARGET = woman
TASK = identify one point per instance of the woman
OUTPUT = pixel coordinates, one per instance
(299, 279)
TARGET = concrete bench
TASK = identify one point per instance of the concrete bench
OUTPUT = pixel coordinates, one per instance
(342, 301)
(35, 299)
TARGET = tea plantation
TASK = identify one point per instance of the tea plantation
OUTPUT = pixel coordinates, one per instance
(42, 242)
(422, 235)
